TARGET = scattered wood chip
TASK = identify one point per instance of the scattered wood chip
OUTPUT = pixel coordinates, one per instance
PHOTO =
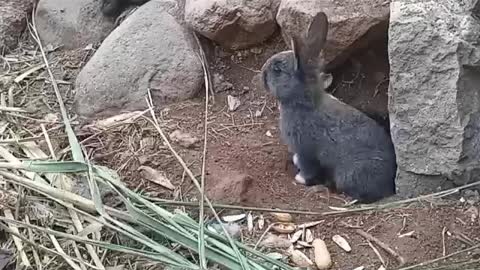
(359, 268)
(258, 113)
(275, 241)
(284, 227)
(156, 177)
(233, 103)
(268, 134)
(184, 139)
(233, 218)
(341, 242)
(283, 217)
(299, 258)
(322, 256)
(382, 267)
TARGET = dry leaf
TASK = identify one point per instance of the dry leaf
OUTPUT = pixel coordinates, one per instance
(283, 217)
(296, 236)
(250, 222)
(322, 256)
(261, 222)
(341, 242)
(233, 218)
(156, 177)
(233, 103)
(284, 227)
(304, 244)
(308, 236)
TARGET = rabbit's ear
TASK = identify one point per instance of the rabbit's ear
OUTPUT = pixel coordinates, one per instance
(317, 35)
(296, 48)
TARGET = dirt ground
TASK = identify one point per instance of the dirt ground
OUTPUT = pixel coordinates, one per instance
(244, 149)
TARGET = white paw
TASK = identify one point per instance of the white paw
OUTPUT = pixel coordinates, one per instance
(300, 179)
(295, 159)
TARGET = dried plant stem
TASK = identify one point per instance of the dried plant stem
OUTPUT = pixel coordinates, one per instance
(18, 243)
(201, 242)
(190, 174)
(440, 258)
(381, 244)
(63, 195)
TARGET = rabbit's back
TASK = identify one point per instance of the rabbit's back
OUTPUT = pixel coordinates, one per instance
(358, 152)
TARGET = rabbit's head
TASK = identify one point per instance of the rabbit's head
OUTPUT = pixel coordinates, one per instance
(288, 74)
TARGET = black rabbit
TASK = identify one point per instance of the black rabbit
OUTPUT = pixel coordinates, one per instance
(333, 143)
(113, 8)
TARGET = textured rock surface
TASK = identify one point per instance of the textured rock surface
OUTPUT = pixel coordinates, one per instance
(434, 94)
(149, 50)
(353, 23)
(73, 23)
(227, 186)
(233, 24)
(13, 20)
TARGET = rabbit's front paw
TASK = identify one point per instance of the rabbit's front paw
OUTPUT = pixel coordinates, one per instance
(299, 178)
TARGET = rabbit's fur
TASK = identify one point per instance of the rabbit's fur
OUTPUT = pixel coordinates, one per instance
(113, 8)
(333, 143)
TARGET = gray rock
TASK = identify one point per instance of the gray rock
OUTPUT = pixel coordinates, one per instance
(353, 24)
(434, 96)
(72, 24)
(149, 50)
(13, 20)
(234, 24)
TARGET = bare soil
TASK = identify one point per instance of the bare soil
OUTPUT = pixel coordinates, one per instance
(244, 144)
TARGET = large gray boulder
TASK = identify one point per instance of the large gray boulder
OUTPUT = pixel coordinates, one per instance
(71, 24)
(149, 50)
(234, 24)
(434, 94)
(13, 20)
(353, 23)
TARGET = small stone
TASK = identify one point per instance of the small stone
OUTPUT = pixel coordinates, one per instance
(184, 139)
(228, 186)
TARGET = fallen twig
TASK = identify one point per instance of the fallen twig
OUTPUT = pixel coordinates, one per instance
(381, 244)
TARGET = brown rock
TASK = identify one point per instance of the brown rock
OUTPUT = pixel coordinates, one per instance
(71, 24)
(353, 23)
(234, 24)
(227, 186)
(13, 20)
